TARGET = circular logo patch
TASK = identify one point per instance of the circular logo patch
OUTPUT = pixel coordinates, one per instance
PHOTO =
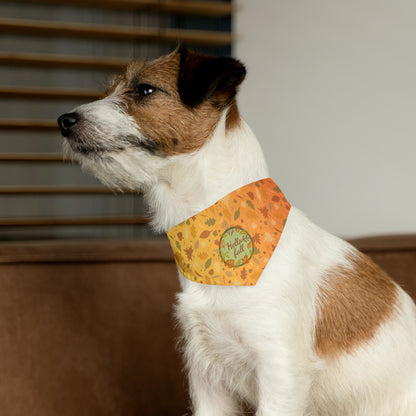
(236, 247)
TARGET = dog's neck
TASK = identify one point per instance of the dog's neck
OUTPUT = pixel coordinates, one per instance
(190, 183)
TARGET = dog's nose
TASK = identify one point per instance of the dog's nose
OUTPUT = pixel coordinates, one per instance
(66, 122)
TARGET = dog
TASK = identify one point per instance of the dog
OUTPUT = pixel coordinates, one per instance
(322, 330)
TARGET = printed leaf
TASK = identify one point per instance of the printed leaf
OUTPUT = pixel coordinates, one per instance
(178, 245)
(208, 263)
(265, 212)
(256, 238)
(189, 251)
(229, 263)
(250, 204)
(203, 255)
(210, 222)
(237, 214)
(243, 274)
(205, 234)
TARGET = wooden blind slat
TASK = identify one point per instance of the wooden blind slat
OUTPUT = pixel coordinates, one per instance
(77, 30)
(44, 125)
(54, 61)
(32, 157)
(48, 93)
(201, 8)
(71, 221)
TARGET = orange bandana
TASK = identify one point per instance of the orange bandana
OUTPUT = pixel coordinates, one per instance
(231, 242)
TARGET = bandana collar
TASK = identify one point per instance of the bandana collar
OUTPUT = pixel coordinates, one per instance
(231, 242)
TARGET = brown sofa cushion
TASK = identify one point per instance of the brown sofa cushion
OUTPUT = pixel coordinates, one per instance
(86, 328)
(396, 254)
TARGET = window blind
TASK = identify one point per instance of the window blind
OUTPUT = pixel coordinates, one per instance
(56, 55)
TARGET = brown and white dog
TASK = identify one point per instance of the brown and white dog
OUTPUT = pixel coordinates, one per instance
(324, 331)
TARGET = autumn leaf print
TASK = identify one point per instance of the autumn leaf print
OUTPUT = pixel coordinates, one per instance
(250, 204)
(265, 212)
(202, 256)
(210, 222)
(231, 243)
(189, 251)
(224, 225)
(205, 234)
(243, 274)
(208, 263)
(229, 263)
(256, 238)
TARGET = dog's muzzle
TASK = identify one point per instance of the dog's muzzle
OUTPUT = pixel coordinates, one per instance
(67, 122)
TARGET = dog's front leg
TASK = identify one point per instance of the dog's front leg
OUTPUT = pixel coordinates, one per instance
(209, 399)
(283, 385)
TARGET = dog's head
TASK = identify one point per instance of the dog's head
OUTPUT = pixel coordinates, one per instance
(156, 110)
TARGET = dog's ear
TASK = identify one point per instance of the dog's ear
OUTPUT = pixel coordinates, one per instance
(202, 77)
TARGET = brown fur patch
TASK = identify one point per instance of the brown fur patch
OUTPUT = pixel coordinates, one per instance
(163, 119)
(233, 116)
(353, 302)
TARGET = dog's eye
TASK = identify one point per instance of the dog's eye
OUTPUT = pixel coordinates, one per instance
(143, 90)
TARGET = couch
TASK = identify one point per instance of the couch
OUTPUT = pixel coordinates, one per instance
(86, 328)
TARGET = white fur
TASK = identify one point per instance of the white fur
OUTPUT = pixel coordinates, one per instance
(257, 343)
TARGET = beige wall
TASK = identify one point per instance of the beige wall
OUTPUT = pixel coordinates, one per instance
(331, 95)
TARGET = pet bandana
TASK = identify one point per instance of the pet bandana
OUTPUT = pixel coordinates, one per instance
(231, 242)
